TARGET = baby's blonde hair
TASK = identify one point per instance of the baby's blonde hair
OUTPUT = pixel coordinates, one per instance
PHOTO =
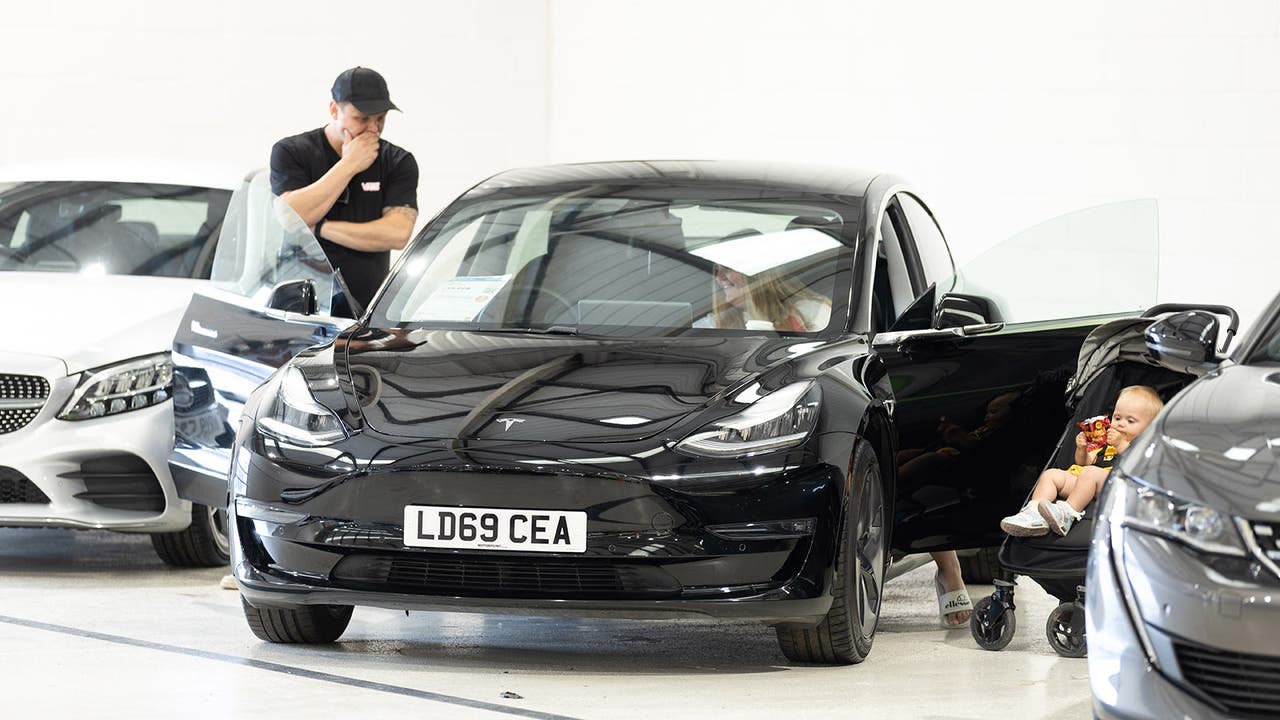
(1147, 395)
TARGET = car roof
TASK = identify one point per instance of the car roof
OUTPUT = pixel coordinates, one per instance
(126, 170)
(803, 178)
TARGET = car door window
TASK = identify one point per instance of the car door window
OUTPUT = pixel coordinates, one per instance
(264, 243)
(931, 247)
(1097, 261)
(893, 286)
(902, 295)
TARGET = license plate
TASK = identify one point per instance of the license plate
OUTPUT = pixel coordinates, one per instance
(495, 529)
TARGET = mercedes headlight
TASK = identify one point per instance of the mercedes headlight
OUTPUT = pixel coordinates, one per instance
(290, 413)
(114, 389)
(781, 419)
(1149, 510)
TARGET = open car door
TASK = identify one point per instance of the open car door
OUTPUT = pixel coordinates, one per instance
(272, 296)
(979, 361)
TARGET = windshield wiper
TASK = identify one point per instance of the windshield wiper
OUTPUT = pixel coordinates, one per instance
(549, 330)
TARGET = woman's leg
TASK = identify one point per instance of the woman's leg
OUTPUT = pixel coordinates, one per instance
(949, 575)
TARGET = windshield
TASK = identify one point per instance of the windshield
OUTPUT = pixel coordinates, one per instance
(627, 266)
(1267, 349)
(109, 228)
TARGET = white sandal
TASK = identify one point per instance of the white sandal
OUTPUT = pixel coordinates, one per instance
(951, 602)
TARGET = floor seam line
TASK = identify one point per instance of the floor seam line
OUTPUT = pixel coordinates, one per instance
(290, 670)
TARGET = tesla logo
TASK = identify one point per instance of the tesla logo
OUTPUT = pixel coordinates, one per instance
(508, 422)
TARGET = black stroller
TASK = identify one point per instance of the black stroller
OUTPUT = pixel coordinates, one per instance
(1113, 356)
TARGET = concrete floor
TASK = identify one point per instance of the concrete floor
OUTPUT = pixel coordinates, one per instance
(92, 625)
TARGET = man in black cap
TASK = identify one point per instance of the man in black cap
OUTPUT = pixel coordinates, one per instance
(357, 191)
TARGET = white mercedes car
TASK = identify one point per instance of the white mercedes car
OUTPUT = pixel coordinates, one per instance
(97, 273)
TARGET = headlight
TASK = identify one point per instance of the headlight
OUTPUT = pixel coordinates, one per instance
(781, 419)
(293, 415)
(1146, 509)
(114, 389)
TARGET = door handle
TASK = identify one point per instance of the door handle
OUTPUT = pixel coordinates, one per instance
(982, 329)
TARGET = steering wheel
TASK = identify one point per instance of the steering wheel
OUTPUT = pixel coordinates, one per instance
(24, 253)
(561, 310)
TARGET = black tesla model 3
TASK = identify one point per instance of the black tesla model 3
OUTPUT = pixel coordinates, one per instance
(634, 389)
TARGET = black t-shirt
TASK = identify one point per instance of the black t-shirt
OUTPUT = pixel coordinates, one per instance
(391, 181)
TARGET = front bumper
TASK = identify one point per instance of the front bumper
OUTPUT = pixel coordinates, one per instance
(650, 552)
(1211, 634)
(77, 466)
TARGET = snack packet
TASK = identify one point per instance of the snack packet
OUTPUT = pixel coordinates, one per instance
(1095, 432)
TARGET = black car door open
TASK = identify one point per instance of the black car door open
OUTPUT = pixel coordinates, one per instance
(979, 362)
(271, 296)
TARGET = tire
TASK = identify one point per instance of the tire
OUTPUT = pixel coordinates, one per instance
(309, 624)
(203, 544)
(1062, 638)
(845, 635)
(997, 634)
(983, 567)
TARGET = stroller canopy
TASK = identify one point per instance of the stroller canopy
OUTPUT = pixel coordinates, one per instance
(1109, 343)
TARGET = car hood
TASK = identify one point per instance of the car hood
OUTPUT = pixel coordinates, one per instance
(88, 321)
(1218, 443)
(450, 384)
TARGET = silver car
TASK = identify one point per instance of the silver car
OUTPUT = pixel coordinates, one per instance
(96, 267)
(1183, 608)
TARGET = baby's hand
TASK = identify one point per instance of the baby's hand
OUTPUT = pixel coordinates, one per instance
(1081, 441)
(1119, 442)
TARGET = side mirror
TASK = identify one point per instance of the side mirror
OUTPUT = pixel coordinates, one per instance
(956, 310)
(296, 296)
(1183, 342)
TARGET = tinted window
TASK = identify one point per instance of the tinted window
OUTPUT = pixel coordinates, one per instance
(104, 228)
(893, 278)
(934, 254)
(1267, 350)
(627, 266)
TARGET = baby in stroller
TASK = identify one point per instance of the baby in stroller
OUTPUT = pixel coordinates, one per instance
(1060, 496)
(1048, 539)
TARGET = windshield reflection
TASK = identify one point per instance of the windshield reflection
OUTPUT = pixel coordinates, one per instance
(618, 266)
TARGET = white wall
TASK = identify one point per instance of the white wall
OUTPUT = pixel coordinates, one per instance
(219, 82)
(1002, 113)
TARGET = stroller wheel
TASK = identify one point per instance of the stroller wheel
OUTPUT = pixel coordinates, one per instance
(991, 625)
(1065, 630)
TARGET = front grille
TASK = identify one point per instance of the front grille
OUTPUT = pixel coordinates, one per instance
(120, 482)
(483, 577)
(1248, 686)
(21, 398)
(17, 488)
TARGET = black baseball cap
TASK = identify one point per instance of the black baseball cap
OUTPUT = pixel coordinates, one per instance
(365, 89)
